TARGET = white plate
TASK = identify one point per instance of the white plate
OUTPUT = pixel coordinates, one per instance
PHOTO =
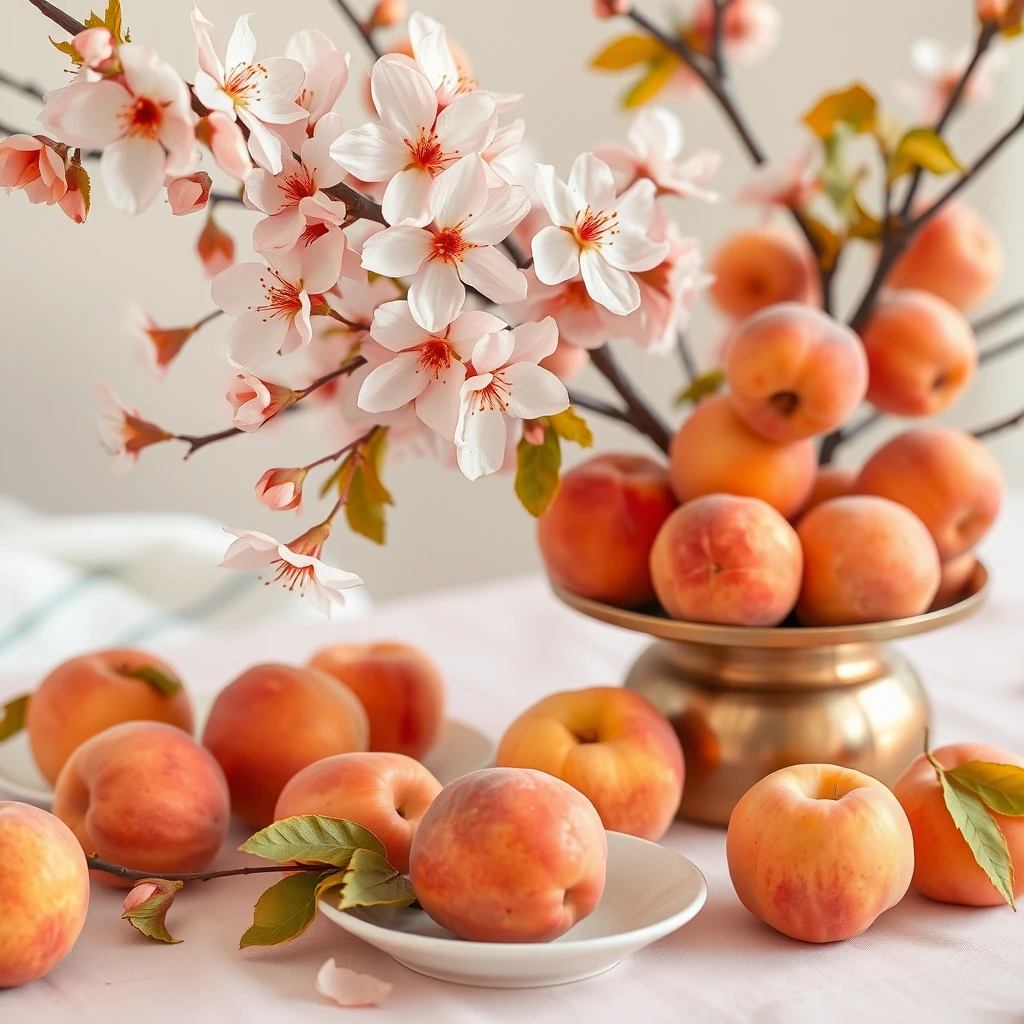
(650, 891)
(459, 750)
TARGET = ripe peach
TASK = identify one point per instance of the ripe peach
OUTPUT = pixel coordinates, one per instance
(509, 855)
(794, 372)
(761, 266)
(88, 694)
(866, 559)
(398, 685)
(385, 793)
(946, 477)
(956, 574)
(715, 452)
(612, 745)
(945, 868)
(44, 892)
(831, 482)
(956, 255)
(272, 722)
(144, 795)
(921, 353)
(596, 537)
(729, 560)
(818, 851)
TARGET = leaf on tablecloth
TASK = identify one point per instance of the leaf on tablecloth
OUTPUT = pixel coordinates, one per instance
(312, 839)
(146, 906)
(981, 830)
(157, 678)
(1000, 786)
(347, 988)
(370, 881)
(14, 714)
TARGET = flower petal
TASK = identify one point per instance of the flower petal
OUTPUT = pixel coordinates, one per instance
(555, 195)
(614, 289)
(396, 252)
(251, 550)
(592, 183)
(395, 328)
(492, 274)
(438, 404)
(467, 124)
(404, 99)
(459, 192)
(656, 134)
(493, 351)
(239, 288)
(347, 988)
(480, 437)
(436, 295)
(636, 206)
(393, 384)
(534, 391)
(209, 45)
(241, 46)
(254, 339)
(534, 342)
(87, 114)
(469, 327)
(629, 251)
(407, 197)
(266, 146)
(556, 255)
(133, 172)
(371, 152)
(506, 206)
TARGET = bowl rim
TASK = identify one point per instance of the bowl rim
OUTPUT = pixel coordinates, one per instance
(976, 592)
(637, 937)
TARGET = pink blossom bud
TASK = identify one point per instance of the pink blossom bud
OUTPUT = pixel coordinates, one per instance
(142, 892)
(96, 48)
(281, 489)
(610, 8)
(254, 401)
(216, 248)
(189, 194)
(386, 14)
(222, 136)
(533, 432)
(28, 163)
(75, 201)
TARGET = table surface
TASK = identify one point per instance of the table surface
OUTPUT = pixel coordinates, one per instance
(501, 648)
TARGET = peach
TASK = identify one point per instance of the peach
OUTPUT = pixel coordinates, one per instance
(273, 721)
(612, 745)
(144, 795)
(567, 361)
(385, 793)
(956, 574)
(921, 353)
(946, 477)
(956, 255)
(866, 559)
(715, 452)
(944, 867)
(794, 372)
(597, 535)
(398, 685)
(761, 266)
(818, 852)
(44, 892)
(728, 560)
(831, 482)
(509, 855)
(88, 694)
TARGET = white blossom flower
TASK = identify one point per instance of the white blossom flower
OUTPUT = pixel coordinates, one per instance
(325, 69)
(938, 71)
(122, 431)
(790, 183)
(254, 400)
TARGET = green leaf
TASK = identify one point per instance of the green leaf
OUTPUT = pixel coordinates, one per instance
(855, 106)
(704, 386)
(626, 52)
(312, 839)
(157, 678)
(982, 832)
(658, 73)
(15, 713)
(373, 462)
(570, 426)
(925, 148)
(69, 49)
(1000, 786)
(340, 479)
(370, 881)
(537, 473)
(285, 910)
(149, 917)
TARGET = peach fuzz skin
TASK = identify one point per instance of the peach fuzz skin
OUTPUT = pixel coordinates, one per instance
(921, 353)
(596, 537)
(146, 796)
(715, 452)
(946, 477)
(509, 855)
(88, 694)
(866, 559)
(818, 852)
(955, 255)
(794, 372)
(612, 745)
(945, 868)
(44, 892)
(398, 685)
(831, 482)
(385, 793)
(760, 267)
(727, 560)
(273, 721)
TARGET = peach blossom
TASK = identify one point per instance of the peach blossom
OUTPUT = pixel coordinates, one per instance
(29, 164)
(189, 194)
(281, 489)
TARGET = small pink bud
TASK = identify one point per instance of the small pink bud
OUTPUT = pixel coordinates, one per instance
(533, 432)
(254, 400)
(75, 201)
(386, 14)
(96, 48)
(189, 194)
(142, 892)
(281, 489)
(222, 136)
(216, 248)
(610, 8)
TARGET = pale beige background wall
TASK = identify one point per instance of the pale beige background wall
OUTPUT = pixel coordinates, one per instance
(61, 285)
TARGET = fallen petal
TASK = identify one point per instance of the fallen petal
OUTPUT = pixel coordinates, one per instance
(347, 988)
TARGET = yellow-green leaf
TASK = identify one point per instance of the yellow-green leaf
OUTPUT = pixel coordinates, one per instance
(340, 479)
(373, 456)
(627, 51)
(370, 881)
(982, 832)
(925, 148)
(537, 472)
(704, 386)
(571, 426)
(162, 681)
(364, 515)
(284, 911)
(111, 20)
(863, 225)
(1000, 786)
(68, 49)
(855, 106)
(312, 839)
(150, 916)
(14, 714)
(827, 243)
(654, 80)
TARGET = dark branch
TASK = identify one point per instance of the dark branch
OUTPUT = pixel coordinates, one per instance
(25, 88)
(1002, 349)
(612, 412)
(360, 27)
(689, 360)
(1000, 425)
(131, 874)
(641, 415)
(831, 442)
(998, 317)
(357, 206)
(58, 17)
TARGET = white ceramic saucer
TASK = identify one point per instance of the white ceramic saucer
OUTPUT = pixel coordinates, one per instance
(459, 750)
(650, 891)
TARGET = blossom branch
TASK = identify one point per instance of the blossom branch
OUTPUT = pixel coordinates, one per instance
(351, 446)
(641, 415)
(606, 409)
(58, 17)
(999, 316)
(25, 88)
(360, 27)
(132, 874)
(1001, 349)
(1016, 420)
(832, 442)
(686, 356)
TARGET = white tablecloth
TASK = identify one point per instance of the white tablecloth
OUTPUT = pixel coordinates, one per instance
(501, 648)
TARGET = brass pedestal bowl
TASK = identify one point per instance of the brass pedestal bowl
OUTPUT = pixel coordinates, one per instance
(746, 702)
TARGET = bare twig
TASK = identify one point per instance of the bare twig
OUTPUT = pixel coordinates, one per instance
(1002, 349)
(360, 27)
(1000, 425)
(25, 88)
(999, 316)
(641, 415)
(131, 874)
(602, 408)
(686, 356)
(831, 442)
(58, 17)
